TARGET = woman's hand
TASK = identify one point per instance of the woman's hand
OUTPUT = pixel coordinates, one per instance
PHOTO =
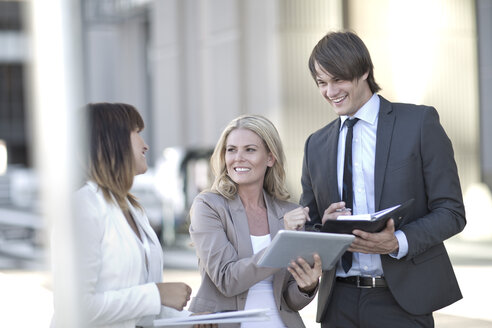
(174, 294)
(295, 219)
(307, 277)
(335, 210)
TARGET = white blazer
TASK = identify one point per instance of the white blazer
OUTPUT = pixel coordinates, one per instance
(117, 290)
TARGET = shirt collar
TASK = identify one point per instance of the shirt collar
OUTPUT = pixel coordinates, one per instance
(367, 113)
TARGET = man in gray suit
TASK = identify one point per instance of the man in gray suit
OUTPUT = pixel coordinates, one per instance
(399, 276)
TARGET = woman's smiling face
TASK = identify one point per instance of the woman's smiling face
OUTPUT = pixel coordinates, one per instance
(247, 158)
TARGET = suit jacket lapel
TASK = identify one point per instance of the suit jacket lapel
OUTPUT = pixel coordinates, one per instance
(155, 250)
(274, 214)
(244, 247)
(386, 122)
(332, 155)
(138, 216)
(275, 223)
(241, 227)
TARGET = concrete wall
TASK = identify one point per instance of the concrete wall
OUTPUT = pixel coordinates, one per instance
(484, 26)
(425, 52)
(212, 61)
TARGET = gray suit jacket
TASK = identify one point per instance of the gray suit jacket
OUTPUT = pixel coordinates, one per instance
(414, 159)
(220, 233)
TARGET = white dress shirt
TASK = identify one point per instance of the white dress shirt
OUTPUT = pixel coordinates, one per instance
(363, 159)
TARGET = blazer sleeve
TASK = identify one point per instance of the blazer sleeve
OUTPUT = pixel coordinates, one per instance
(109, 306)
(218, 256)
(446, 214)
(295, 299)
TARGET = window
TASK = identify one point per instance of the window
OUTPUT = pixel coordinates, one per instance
(12, 112)
(11, 15)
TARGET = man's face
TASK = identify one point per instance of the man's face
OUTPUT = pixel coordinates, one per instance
(346, 97)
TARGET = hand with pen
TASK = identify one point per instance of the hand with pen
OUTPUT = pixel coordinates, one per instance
(296, 219)
(334, 211)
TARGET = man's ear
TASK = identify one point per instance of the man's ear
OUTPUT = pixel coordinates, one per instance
(365, 76)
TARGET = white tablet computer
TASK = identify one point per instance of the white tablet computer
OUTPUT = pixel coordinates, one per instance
(290, 245)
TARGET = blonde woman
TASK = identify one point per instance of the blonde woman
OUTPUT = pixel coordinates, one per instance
(237, 219)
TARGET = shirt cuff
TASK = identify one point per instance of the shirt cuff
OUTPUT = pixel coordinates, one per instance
(402, 245)
(155, 298)
(168, 312)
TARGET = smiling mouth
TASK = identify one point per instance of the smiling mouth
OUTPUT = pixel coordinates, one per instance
(338, 100)
(241, 169)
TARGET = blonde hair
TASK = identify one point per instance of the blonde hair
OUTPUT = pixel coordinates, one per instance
(274, 182)
(111, 159)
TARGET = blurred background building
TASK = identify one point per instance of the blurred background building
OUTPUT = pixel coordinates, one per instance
(191, 66)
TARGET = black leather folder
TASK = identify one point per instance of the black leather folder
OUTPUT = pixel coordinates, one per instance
(376, 223)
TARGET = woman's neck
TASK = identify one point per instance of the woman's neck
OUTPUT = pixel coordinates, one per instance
(252, 197)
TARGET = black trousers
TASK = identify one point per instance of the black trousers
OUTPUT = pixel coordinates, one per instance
(352, 307)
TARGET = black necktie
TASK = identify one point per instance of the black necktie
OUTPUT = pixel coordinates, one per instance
(348, 189)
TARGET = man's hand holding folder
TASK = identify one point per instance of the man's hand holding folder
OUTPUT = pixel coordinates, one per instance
(383, 242)
(375, 233)
(374, 222)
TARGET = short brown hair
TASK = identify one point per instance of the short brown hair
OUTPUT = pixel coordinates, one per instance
(111, 160)
(345, 56)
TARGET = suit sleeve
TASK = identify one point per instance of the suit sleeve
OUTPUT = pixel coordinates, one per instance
(308, 197)
(110, 306)
(446, 216)
(230, 274)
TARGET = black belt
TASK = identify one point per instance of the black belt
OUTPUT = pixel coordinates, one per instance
(364, 282)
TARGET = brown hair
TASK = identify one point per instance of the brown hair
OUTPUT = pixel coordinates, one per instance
(111, 160)
(274, 182)
(345, 56)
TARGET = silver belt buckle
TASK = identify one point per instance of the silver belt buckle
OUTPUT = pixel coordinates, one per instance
(373, 283)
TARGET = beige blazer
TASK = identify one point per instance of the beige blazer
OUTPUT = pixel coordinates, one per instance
(220, 233)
